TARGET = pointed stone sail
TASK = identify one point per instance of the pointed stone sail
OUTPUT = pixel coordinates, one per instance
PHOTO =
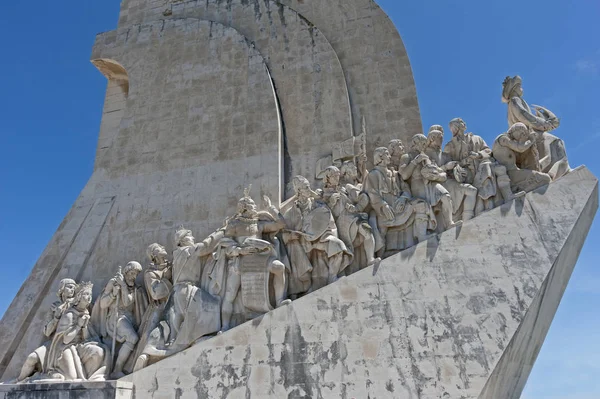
(462, 315)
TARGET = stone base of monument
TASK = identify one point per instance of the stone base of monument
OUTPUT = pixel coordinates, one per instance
(69, 390)
(462, 315)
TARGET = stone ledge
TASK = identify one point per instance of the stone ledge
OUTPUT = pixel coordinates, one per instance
(69, 390)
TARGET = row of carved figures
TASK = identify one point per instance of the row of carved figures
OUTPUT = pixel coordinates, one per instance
(260, 260)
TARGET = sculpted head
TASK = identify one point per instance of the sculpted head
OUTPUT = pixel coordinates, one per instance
(302, 187)
(419, 142)
(519, 132)
(435, 138)
(457, 127)
(83, 295)
(349, 171)
(331, 177)
(381, 156)
(396, 148)
(246, 206)
(157, 254)
(131, 271)
(512, 87)
(435, 127)
(66, 289)
(184, 237)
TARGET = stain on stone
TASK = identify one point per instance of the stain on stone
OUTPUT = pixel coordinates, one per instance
(178, 393)
(389, 386)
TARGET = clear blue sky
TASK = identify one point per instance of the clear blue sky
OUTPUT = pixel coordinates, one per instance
(51, 102)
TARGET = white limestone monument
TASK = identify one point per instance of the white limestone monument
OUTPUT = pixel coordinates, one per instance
(266, 219)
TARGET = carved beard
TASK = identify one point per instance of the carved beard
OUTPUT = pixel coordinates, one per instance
(305, 205)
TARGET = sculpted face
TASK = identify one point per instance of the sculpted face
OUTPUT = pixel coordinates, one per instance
(382, 156)
(130, 277)
(160, 254)
(458, 127)
(85, 299)
(396, 148)
(69, 290)
(188, 240)
(350, 171)
(333, 176)
(248, 208)
(419, 142)
(435, 139)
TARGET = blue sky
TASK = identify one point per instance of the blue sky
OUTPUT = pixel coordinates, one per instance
(51, 101)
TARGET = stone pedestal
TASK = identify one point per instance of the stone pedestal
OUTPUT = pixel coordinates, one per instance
(79, 390)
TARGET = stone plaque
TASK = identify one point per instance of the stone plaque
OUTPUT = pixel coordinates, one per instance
(255, 282)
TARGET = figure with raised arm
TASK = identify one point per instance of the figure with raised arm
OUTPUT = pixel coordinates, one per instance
(253, 259)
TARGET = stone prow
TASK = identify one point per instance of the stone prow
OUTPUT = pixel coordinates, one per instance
(461, 315)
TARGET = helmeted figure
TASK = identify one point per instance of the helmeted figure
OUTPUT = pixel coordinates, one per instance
(402, 220)
(36, 361)
(76, 352)
(312, 238)
(118, 314)
(248, 229)
(352, 223)
(425, 180)
(513, 150)
(549, 149)
(464, 195)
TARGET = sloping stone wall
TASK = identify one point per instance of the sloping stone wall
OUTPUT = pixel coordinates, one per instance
(462, 315)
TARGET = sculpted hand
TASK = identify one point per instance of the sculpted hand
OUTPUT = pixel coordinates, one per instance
(116, 289)
(351, 208)
(267, 201)
(450, 165)
(83, 321)
(528, 143)
(387, 212)
(421, 158)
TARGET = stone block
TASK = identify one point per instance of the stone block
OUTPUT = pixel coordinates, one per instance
(71, 390)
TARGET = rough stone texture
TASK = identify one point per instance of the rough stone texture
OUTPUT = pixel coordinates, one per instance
(372, 56)
(462, 315)
(73, 390)
(200, 122)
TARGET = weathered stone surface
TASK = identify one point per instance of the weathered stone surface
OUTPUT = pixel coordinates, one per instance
(461, 315)
(72, 390)
(369, 48)
(200, 122)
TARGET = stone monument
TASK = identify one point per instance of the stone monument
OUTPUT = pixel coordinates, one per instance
(414, 270)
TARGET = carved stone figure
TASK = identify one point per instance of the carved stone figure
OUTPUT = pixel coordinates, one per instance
(464, 195)
(397, 150)
(425, 180)
(550, 149)
(36, 361)
(118, 313)
(352, 223)
(253, 259)
(402, 220)
(76, 352)
(191, 309)
(311, 236)
(513, 150)
(158, 280)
